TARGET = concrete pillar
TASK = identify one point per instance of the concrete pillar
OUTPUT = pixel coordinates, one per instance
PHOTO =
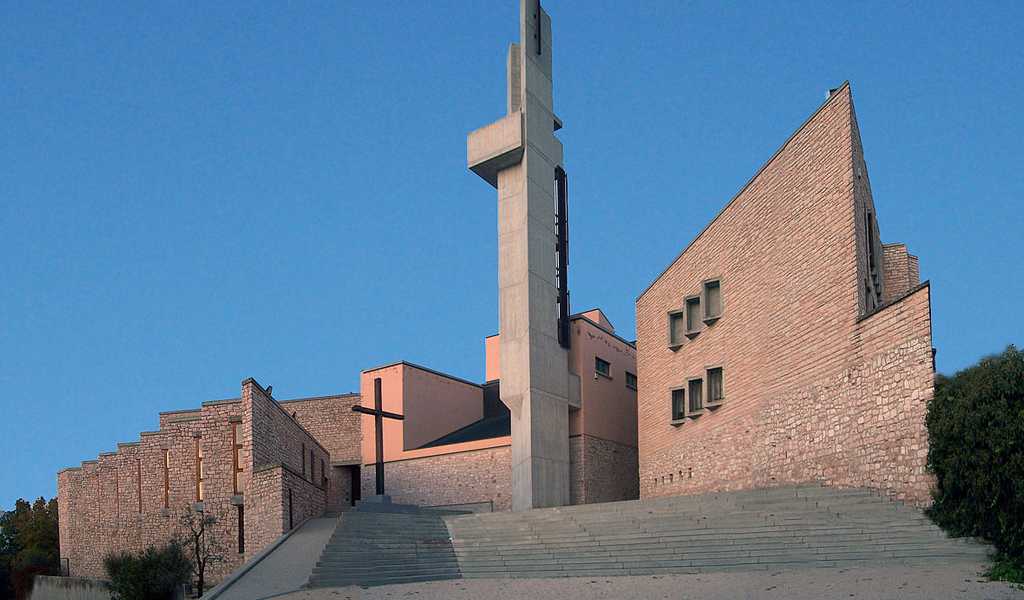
(518, 155)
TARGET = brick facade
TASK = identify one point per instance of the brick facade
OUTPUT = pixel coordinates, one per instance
(825, 358)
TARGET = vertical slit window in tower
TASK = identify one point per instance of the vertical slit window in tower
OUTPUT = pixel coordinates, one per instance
(199, 469)
(562, 253)
(167, 478)
(303, 460)
(236, 445)
(117, 494)
(538, 19)
(138, 474)
(869, 225)
(241, 529)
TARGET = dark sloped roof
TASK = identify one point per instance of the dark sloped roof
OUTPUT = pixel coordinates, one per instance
(484, 429)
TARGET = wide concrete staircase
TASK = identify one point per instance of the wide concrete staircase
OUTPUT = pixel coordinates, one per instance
(782, 527)
(373, 548)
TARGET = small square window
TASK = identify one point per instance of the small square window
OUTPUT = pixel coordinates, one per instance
(693, 316)
(630, 380)
(716, 391)
(695, 406)
(678, 404)
(602, 367)
(676, 328)
(712, 300)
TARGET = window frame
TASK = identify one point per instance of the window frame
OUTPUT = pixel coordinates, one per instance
(138, 473)
(694, 412)
(705, 305)
(693, 329)
(598, 362)
(708, 402)
(673, 342)
(199, 468)
(634, 378)
(167, 478)
(678, 408)
(241, 529)
(236, 458)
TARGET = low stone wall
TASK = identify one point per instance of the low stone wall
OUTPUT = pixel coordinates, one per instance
(68, 588)
(458, 478)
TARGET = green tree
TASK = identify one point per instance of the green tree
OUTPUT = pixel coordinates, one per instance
(195, 532)
(976, 429)
(29, 545)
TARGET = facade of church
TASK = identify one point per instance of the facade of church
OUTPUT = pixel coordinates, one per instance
(260, 466)
(786, 344)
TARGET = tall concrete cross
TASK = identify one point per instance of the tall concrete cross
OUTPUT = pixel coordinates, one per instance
(519, 155)
(379, 414)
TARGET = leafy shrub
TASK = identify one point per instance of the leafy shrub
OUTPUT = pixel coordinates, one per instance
(36, 562)
(976, 426)
(153, 574)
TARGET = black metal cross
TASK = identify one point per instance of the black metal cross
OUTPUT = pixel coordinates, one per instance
(378, 423)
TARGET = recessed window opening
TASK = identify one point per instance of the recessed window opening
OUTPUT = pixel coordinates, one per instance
(199, 469)
(712, 292)
(602, 367)
(678, 404)
(236, 456)
(716, 394)
(167, 478)
(695, 390)
(693, 316)
(676, 327)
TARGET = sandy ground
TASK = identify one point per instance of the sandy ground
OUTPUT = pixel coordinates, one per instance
(937, 582)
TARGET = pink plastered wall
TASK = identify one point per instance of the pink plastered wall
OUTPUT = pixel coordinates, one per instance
(609, 407)
(433, 405)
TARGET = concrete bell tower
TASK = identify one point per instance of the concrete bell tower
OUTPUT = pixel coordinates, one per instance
(520, 156)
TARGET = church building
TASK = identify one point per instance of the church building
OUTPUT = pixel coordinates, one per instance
(785, 344)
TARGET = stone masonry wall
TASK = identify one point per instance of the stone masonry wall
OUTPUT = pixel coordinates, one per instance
(601, 471)
(331, 420)
(807, 371)
(127, 500)
(100, 508)
(276, 439)
(279, 499)
(459, 478)
(899, 277)
(862, 426)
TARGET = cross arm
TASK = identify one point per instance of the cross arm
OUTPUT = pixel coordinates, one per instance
(383, 413)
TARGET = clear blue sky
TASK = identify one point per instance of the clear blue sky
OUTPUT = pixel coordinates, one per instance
(191, 195)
